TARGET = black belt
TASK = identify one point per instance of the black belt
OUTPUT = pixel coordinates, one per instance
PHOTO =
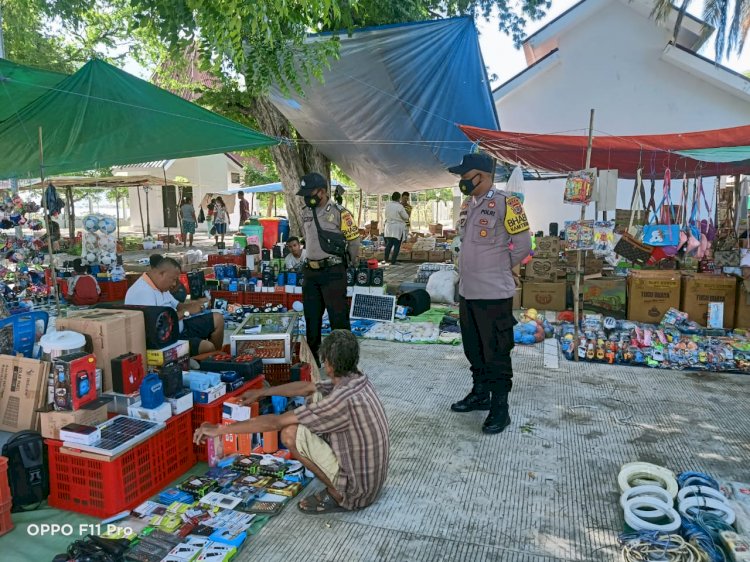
(324, 263)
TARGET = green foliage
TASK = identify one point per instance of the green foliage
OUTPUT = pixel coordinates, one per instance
(62, 36)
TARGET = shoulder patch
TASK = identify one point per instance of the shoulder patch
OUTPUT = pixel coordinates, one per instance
(515, 217)
(348, 226)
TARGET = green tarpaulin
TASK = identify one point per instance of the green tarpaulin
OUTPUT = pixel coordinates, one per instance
(725, 154)
(20, 85)
(101, 116)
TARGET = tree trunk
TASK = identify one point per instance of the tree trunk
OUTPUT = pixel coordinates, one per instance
(293, 160)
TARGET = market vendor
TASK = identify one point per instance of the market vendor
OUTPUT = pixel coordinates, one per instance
(341, 435)
(495, 238)
(204, 330)
(296, 256)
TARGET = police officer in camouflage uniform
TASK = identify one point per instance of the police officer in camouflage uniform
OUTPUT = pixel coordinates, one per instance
(324, 285)
(495, 237)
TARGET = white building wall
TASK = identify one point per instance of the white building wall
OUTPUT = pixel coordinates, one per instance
(206, 174)
(611, 62)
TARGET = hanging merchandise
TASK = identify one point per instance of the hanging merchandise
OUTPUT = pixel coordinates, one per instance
(604, 238)
(99, 246)
(660, 231)
(52, 201)
(579, 235)
(515, 184)
(727, 252)
(579, 187)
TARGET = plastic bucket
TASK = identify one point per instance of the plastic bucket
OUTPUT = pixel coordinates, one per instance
(240, 241)
(270, 231)
(283, 229)
(252, 230)
(56, 344)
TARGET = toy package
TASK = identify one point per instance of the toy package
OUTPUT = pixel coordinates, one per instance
(579, 235)
(579, 187)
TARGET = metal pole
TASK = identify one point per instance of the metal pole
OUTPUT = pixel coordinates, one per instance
(2, 40)
(140, 208)
(577, 295)
(146, 189)
(46, 222)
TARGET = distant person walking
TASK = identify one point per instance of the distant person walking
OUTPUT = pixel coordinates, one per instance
(396, 219)
(221, 219)
(244, 208)
(210, 215)
(188, 220)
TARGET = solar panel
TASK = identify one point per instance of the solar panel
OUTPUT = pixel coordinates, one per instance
(120, 434)
(373, 307)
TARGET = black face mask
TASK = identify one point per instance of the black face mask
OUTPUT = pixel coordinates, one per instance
(466, 186)
(311, 201)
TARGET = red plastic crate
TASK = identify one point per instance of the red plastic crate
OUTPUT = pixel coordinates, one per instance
(113, 290)
(232, 297)
(6, 523)
(291, 298)
(214, 259)
(261, 299)
(211, 413)
(103, 488)
(4, 487)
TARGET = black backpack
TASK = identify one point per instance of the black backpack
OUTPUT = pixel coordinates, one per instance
(28, 473)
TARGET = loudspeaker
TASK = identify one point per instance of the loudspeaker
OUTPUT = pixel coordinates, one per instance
(363, 277)
(197, 284)
(277, 252)
(171, 378)
(351, 276)
(376, 277)
(553, 229)
(127, 373)
(265, 254)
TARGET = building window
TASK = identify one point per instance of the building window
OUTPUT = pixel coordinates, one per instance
(235, 177)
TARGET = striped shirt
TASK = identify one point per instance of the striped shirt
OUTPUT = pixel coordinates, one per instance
(350, 417)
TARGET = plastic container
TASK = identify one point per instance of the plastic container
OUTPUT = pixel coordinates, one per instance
(113, 290)
(6, 523)
(252, 230)
(270, 231)
(24, 330)
(240, 241)
(216, 259)
(212, 413)
(4, 486)
(103, 488)
(283, 229)
(56, 344)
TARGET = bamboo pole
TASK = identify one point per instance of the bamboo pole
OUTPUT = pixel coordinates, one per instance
(50, 244)
(577, 295)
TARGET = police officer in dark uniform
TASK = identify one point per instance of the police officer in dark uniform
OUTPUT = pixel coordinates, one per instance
(495, 237)
(332, 241)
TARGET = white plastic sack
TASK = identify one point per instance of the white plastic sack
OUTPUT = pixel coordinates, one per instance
(515, 184)
(442, 286)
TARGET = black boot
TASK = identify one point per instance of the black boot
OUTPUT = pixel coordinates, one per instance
(499, 417)
(477, 399)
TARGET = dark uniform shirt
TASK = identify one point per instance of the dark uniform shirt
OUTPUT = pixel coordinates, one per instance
(332, 217)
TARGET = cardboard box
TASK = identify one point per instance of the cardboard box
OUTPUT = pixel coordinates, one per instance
(378, 255)
(742, 308)
(544, 296)
(699, 289)
(651, 294)
(237, 443)
(420, 256)
(541, 269)
(175, 352)
(109, 334)
(180, 403)
(605, 296)
(74, 380)
(93, 413)
(404, 256)
(436, 256)
(160, 414)
(208, 396)
(23, 391)
(547, 247)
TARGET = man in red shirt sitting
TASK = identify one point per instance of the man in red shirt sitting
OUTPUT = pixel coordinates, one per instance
(341, 435)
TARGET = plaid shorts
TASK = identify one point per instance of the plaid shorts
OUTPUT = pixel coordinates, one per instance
(188, 227)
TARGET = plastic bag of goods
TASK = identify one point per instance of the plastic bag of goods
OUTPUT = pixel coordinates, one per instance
(442, 286)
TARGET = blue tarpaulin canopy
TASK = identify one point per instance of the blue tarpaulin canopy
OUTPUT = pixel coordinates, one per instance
(387, 110)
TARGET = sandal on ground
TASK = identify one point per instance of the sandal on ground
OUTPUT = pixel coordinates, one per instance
(319, 503)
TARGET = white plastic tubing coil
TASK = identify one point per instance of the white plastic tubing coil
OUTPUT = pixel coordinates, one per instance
(648, 492)
(692, 499)
(643, 473)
